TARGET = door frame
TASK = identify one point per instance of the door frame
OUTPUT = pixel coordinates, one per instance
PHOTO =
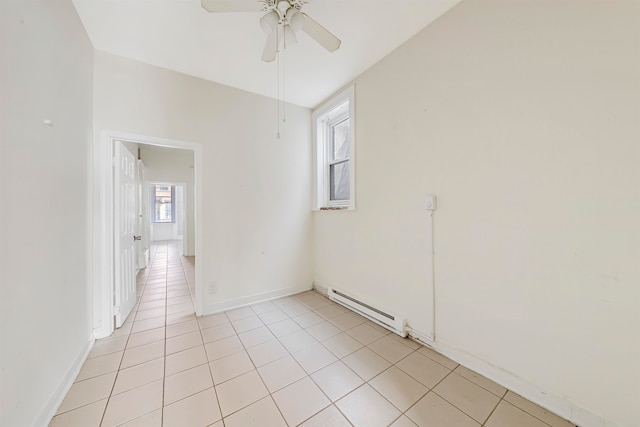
(102, 275)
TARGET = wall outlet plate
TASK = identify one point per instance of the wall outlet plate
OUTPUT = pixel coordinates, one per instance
(430, 203)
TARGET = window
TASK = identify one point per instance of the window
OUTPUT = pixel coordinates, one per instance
(334, 138)
(163, 203)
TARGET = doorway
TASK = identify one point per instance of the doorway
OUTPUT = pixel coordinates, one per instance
(105, 194)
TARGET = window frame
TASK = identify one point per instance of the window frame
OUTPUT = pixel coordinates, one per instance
(333, 112)
(153, 197)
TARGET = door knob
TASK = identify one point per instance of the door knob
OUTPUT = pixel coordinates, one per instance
(137, 238)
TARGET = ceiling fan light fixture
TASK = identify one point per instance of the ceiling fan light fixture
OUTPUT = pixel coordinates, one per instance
(269, 22)
(295, 19)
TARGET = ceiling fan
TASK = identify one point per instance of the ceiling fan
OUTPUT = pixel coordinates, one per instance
(285, 13)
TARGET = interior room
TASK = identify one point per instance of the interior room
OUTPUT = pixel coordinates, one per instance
(432, 221)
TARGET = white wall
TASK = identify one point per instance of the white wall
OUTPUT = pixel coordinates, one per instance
(523, 118)
(257, 233)
(46, 73)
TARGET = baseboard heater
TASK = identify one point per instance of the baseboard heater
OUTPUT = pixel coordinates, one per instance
(392, 322)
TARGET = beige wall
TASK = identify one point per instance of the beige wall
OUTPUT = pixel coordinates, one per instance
(256, 225)
(45, 329)
(523, 118)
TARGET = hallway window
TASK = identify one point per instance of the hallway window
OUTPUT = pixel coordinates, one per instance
(163, 203)
(334, 139)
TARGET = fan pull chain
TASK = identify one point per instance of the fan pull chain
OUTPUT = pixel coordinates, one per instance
(278, 82)
(284, 80)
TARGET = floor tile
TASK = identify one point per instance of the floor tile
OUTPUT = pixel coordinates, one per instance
(216, 333)
(366, 363)
(423, 369)
(483, 382)
(212, 320)
(148, 314)
(99, 366)
(224, 347)
(264, 353)
(263, 307)
(262, 413)
(313, 358)
(398, 388)
(298, 340)
(256, 336)
(295, 309)
(347, 321)
(337, 380)
(247, 324)
(184, 360)
(88, 391)
(365, 407)
(239, 313)
(145, 325)
(102, 348)
(132, 404)
(330, 311)
(300, 401)
(182, 328)
(281, 373)
(403, 421)
(441, 359)
(307, 319)
(186, 383)
(329, 417)
(342, 345)
(365, 333)
(535, 410)
(183, 342)
(147, 337)
(173, 318)
(240, 392)
(470, 398)
(152, 419)
(88, 415)
(274, 316)
(284, 327)
(507, 415)
(139, 375)
(231, 366)
(198, 410)
(323, 330)
(142, 354)
(434, 411)
(390, 349)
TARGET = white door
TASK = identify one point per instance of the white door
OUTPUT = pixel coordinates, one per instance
(124, 226)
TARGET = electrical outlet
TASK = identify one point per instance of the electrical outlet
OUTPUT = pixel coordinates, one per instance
(213, 288)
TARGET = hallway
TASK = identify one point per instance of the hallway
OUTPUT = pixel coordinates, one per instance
(300, 360)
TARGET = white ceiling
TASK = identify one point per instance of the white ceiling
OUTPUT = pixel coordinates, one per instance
(226, 47)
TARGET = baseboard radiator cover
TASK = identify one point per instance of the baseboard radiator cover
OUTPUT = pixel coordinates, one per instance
(394, 323)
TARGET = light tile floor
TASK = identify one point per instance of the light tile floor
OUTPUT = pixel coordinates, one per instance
(295, 361)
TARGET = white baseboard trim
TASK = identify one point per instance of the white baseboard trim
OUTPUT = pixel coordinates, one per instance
(50, 409)
(252, 299)
(555, 404)
(324, 291)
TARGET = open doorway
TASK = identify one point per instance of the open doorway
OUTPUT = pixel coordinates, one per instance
(157, 162)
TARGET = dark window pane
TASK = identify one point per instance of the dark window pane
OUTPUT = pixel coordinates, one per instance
(339, 181)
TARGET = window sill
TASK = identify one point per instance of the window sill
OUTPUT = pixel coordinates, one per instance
(335, 208)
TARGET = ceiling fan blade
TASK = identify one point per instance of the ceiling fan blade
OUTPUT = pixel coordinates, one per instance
(320, 34)
(232, 5)
(271, 47)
